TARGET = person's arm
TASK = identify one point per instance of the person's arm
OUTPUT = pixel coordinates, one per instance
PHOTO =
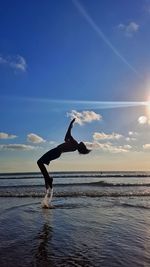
(68, 136)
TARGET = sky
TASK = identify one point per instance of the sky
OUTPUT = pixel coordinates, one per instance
(64, 59)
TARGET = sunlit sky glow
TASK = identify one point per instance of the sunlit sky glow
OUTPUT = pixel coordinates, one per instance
(83, 59)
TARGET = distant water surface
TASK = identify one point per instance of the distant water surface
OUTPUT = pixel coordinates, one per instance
(92, 184)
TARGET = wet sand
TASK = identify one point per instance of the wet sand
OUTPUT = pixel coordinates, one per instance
(79, 231)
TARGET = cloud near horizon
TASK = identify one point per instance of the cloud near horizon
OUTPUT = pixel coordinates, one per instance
(104, 136)
(146, 147)
(130, 133)
(34, 138)
(7, 136)
(132, 136)
(15, 62)
(143, 120)
(108, 147)
(17, 147)
(84, 116)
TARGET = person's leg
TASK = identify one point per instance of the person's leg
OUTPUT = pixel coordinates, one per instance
(47, 178)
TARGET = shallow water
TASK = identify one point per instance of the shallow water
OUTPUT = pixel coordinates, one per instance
(79, 231)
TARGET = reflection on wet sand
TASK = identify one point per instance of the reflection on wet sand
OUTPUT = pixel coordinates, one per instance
(43, 254)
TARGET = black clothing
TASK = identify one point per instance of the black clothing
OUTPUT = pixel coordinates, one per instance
(50, 155)
(56, 152)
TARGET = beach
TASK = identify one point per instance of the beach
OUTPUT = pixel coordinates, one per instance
(75, 118)
(83, 229)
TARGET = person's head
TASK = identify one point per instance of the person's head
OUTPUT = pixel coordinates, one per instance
(82, 149)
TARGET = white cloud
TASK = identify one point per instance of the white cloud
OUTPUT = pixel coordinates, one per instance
(16, 147)
(129, 139)
(127, 147)
(16, 62)
(146, 146)
(104, 136)
(133, 133)
(143, 120)
(84, 116)
(108, 147)
(7, 136)
(34, 138)
(129, 29)
(132, 136)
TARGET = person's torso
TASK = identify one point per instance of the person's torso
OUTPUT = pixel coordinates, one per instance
(68, 146)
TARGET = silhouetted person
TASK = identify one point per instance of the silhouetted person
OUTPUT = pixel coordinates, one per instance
(69, 145)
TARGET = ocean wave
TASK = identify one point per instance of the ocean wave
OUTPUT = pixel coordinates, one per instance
(93, 184)
(76, 194)
(74, 175)
(103, 183)
(130, 205)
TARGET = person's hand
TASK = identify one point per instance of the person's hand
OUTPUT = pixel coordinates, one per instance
(71, 123)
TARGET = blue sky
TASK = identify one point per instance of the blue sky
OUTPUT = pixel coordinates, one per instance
(84, 59)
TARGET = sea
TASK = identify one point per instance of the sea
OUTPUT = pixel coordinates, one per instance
(96, 219)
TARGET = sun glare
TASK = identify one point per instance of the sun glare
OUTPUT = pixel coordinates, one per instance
(148, 109)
